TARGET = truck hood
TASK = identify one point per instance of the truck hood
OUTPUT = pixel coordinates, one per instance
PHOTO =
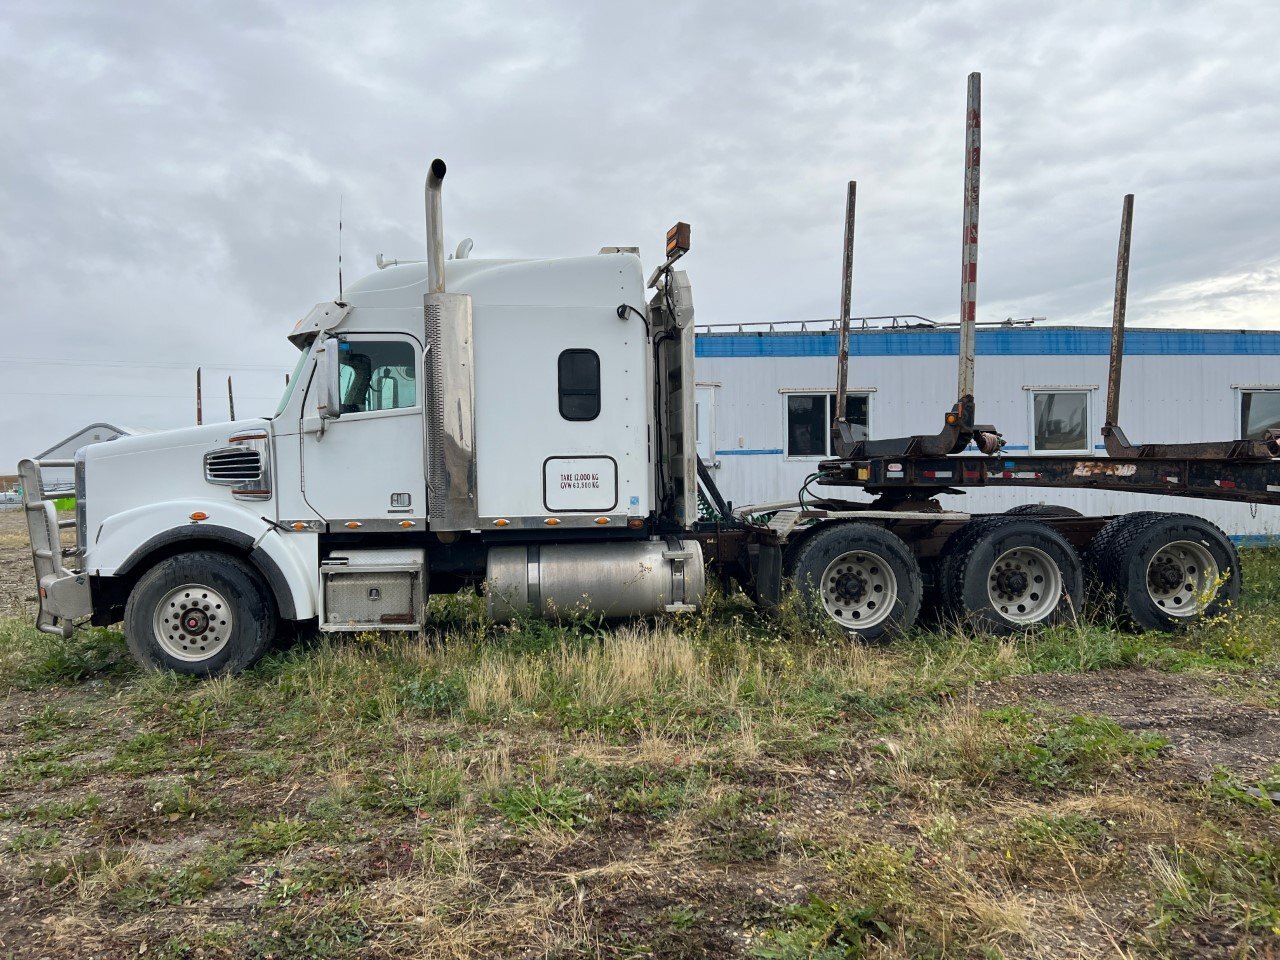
(159, 467)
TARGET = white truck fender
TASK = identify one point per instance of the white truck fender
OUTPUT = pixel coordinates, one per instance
(288, 561)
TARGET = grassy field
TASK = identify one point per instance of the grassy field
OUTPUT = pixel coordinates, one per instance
(724, 785)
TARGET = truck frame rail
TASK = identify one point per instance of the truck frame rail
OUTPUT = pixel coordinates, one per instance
(903, 478)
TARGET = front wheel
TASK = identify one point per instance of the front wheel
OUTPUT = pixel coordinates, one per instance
(200, 614)
(862, 577)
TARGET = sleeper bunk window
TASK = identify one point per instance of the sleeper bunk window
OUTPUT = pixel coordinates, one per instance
(579, 384)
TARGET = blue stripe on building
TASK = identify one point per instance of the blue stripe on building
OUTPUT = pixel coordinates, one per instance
(1256, 540)
(1073, 341)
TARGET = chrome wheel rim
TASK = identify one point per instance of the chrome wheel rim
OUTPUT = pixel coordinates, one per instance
(1024, 585)
(192, 622)
(859, 590)
(1180, 577)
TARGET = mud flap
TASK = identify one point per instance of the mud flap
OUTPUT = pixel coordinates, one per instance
(768, 576)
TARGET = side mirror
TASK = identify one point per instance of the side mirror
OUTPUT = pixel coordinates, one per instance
(329, 377)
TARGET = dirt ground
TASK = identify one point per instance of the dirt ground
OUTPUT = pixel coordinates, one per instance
(1205, 729)
(17, 581)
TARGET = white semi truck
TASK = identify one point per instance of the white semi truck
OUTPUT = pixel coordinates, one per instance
(529, 425)
(524, 423)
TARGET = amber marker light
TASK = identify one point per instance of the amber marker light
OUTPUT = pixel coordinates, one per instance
(199, 515)
(353, 524)
(299, 525)
(551, 521)
(635, 523)
(406, 523)
(602, 520)
(502, 523)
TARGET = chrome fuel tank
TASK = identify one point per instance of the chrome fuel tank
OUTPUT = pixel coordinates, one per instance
(635, 578)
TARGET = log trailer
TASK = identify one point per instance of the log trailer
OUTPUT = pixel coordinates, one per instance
(528, 426)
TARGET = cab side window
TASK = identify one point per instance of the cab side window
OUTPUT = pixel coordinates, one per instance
(378, 375)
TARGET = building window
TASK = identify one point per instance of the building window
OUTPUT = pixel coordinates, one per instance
(809, 418)
(1259, 412)
(579, 381)
(1060, 421)
(378, 375)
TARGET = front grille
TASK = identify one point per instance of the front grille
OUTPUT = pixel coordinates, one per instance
(233, 466)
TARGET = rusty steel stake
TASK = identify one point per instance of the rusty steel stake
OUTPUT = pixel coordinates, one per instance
(846, 306)
(1117, 314)
(969, 255)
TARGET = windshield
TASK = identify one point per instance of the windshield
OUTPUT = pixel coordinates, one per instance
(293, 378)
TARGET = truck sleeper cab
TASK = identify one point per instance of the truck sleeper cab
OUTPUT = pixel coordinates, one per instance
(500, 430)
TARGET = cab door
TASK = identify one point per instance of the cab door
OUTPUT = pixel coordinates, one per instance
(366, 467)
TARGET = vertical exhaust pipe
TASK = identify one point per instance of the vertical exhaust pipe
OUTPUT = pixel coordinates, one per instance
(435, 228)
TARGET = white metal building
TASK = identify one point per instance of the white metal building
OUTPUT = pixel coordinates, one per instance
(765, 397)
(60, 477)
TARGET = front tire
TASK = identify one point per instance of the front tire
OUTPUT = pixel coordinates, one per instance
(200, 614)
(862, 577)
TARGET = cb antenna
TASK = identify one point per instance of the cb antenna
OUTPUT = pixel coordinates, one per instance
(339, 248)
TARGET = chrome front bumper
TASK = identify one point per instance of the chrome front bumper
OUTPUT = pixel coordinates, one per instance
(63, 592)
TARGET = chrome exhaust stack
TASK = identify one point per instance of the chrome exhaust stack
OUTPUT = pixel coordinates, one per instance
(450, 384)
(435, 227)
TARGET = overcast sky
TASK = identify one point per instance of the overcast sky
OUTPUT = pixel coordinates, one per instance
(171, 172)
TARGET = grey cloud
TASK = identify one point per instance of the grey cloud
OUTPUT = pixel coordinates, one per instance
(170, 175)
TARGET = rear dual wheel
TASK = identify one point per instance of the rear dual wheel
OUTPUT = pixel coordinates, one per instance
(860, 576)
(1166, 570)
(1006, 574)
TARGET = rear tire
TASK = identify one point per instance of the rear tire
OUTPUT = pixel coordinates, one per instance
(1011, 575)
(1168, 570)
(861, 577)
(200, 614)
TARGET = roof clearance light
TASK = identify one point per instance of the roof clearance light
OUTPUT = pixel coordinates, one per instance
(199, 515)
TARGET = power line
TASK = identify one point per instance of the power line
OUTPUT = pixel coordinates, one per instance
(126, 396)
(169, 364)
